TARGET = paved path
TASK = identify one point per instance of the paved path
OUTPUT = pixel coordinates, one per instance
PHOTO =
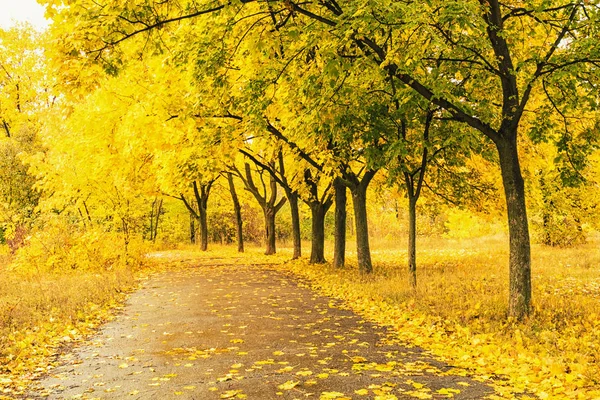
(211, 332)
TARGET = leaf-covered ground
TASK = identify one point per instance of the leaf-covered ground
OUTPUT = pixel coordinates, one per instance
(224, 330)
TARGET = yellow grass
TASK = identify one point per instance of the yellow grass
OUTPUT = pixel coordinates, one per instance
(42, 311)
(459, 309)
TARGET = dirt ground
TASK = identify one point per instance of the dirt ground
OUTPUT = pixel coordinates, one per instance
(239, 331)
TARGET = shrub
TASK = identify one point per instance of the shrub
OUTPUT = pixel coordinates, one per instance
(61, 247)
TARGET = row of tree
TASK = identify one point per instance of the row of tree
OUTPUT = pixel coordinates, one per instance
(315, 99)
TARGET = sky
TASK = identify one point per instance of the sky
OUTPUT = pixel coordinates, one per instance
(22, 11)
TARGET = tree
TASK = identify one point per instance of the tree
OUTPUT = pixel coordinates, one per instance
(277, 170)
(267, 198)
(154, 217)
(482, 62)
(238, 213)
(24, 100)
(339, 246)
(201, 194)
(319, 205)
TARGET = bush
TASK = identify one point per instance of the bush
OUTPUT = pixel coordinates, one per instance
(558, 231)
(462, 224)
(60, 285)
(63, 247)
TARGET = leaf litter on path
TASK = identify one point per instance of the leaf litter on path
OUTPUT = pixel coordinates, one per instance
(237, 331)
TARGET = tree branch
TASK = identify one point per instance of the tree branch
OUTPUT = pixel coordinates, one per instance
(158, 25)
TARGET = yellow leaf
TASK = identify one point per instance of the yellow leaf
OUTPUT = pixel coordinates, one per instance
(289, 385)
(230, 394)
(331, 395)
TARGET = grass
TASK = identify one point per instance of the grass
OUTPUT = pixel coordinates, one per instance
(42, 311)
(459, 310)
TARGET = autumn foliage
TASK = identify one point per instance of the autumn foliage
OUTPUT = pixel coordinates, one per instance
(467, 130)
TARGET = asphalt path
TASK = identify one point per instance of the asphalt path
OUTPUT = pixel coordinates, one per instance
(212, 331)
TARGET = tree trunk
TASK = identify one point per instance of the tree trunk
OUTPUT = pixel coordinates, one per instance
(270, 230)
(317, 253)
(151, 221)
(238, 214)
(203, 229)
(339, 249)
(412, 241)
(268, 203)
(293, 200)
(157, 220)
(520, 253)
(363, 252)
(192, 229)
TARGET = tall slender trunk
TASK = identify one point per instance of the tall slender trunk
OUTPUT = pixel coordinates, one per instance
(520, 252)
(363, 252)
(339, 248)
(412, 240)
(151, 220)
(203, 228)
(317, 253)
(238, 214)
(192, 229)
(154, 233)
(269, 213)
(158, 212)
(267, 201)
(293, 200)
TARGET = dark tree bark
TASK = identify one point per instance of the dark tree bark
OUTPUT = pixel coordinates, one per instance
(319, 205)
(279, 175)
(192, 229)
(201, 194)
(358, 189)
(267, 199)
(339, 249)
(295, 212)
(155, 218)
(412, 241)
(202, 202)
(203, 229)
(270, 235)
(317, 253)
(292, 196)
(6, 128)
(518, 228)
(363, 251)
(238, 213)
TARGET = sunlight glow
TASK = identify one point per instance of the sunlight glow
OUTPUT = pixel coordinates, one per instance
(15, 11)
